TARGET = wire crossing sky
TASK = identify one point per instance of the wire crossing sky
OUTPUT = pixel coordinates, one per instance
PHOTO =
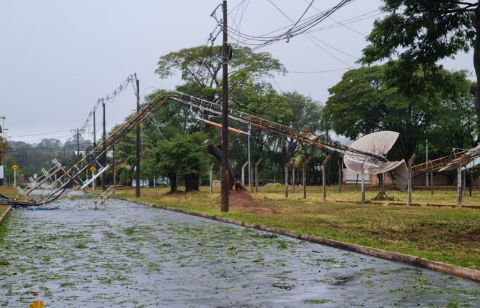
(59, 57)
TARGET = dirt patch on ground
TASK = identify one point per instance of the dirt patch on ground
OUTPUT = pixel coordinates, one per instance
(270, 185)
(242, 198)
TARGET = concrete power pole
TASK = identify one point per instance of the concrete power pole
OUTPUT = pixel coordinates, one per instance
(225, 175)
(94, 183)
(104, 156)
(78, 142)
(137, 178)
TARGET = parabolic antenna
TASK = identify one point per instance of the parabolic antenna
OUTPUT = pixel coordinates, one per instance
(367, 155)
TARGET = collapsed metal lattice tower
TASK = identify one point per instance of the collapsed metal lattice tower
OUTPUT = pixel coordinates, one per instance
(70, 179)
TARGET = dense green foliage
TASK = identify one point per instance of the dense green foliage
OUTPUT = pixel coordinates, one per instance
(365, 101)
(419, 34)
(250, 92)
(31, 158)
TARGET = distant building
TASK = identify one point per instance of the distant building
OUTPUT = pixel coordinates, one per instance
(157, 181)
(352, 178)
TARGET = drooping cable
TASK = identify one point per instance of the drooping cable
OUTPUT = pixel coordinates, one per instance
(108, 99)
(299, 27)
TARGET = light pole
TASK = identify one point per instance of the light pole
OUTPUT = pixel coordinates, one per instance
(225, 175)
(3, 126)
(249, 163)
(426, 159)
(2, 150)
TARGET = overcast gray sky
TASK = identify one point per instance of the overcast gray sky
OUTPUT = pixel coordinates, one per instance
(57, 58)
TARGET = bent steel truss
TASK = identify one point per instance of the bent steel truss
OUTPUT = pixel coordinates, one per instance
(70, 179)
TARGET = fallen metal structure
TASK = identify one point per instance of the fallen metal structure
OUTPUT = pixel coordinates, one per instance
(380, 143)
(361, 155)
(447, 163)
(452, 162)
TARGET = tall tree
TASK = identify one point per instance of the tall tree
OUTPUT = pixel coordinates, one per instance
(201, 69)
(28, 158)
(362, 103)
(249, 91)
(183, 156)
(304, 114)
(50, 145)
(420, 33)
(3, 146)
(455, 124)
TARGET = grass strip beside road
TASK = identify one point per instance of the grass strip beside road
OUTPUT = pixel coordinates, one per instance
(449, 235)
(3, 209)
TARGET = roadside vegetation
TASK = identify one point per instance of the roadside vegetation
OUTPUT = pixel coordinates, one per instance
(3, 209)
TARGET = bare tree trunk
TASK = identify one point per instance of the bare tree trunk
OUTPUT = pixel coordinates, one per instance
(173, 181)
(191, 182)
(210, 149)
(476, 63)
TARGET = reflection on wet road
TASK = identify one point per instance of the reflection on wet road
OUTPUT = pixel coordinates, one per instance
(129, 255)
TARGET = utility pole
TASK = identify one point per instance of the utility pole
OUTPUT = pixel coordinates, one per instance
(113, 165)
(76, 134)
(426, 159)
(224, 178)
(3, 149)
(137, 178)
(78, 142)
(104, 156)
(94, 183)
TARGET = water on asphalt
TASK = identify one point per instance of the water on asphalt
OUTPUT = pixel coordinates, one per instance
(130, 255)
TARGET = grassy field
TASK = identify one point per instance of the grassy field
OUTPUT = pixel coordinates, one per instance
(447, 234)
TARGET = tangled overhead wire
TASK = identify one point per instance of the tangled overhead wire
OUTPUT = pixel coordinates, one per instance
(299, 27)
(109, 98)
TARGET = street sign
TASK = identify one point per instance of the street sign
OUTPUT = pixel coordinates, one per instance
(14, 167)
(93, 169)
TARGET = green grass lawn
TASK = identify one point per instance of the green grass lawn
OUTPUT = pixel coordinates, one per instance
(3, 209)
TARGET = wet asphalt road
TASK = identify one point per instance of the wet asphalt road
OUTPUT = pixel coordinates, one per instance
(129, 255)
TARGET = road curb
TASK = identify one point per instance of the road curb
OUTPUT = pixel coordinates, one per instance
(374, 252)
(5, 214)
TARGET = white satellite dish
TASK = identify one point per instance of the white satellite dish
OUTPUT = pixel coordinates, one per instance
(367, 155)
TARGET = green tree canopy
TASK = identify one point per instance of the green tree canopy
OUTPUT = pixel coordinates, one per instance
(455, 125)
(363, 102)
(201, 69)
(419, 34)
(183, 156)
(304, 114)
(50, 145)
(249, 89)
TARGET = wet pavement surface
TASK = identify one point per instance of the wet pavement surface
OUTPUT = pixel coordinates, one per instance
(130, 255)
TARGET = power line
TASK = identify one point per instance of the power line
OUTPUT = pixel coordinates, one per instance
(323, 71)
(260, 41)
(343, 23)
(109, 98)
(298, 28)
(300, 18)
(39, 134)
(311, 37)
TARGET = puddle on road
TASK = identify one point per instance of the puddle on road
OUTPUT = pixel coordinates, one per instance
(129, 255)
